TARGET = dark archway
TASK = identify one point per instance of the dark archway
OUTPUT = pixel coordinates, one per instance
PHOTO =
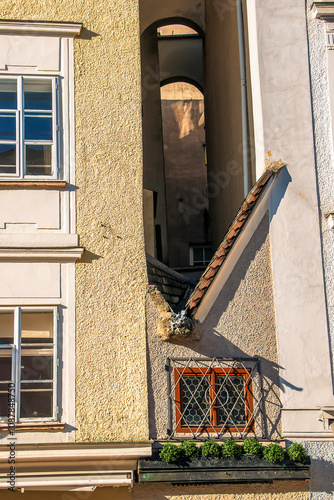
(166, 58)
(176, 20)
(183, 124)
(176, 79)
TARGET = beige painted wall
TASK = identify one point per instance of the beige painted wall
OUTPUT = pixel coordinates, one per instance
(241, 323)
(111, 279)
(300, 302)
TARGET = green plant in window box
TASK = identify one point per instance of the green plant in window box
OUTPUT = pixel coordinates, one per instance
(170, 453)
(210, 448)
(231, 449)
(189, 449)
(252, 446)
(296, 452)
(273, 453)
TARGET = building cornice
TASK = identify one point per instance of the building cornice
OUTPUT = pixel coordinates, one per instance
(40, 28)
(324, 10)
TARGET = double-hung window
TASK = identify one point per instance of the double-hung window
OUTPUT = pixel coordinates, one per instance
(28, 127)
(28, 362)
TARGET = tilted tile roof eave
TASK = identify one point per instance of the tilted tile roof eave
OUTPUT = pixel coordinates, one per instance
(230, 238)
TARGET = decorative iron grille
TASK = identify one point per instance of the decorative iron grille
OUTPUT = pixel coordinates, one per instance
(214, 397)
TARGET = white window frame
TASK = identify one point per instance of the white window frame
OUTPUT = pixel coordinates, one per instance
(16, 359)
(20, 140)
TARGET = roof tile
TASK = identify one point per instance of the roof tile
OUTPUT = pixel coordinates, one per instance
(230, 237)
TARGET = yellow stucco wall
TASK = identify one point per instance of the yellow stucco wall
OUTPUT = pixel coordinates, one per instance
(290, 490)
(279, 490)
(111, 395)
(121, 493)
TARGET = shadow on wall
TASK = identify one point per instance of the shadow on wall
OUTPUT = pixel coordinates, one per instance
(88, 34)
(241, 324)
(271, 382)
(322, 478)
(322, 469)
(282, 181)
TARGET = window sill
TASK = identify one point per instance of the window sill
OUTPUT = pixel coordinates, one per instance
(34, 426)
(33, 184)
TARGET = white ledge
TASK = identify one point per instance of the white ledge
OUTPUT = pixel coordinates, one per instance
(37, 240)
(69, 481)
(40, 28)
(324, 10)
(310, 436)
(40, 254)
(80, 452)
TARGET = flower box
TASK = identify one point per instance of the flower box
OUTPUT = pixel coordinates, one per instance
(246, 469)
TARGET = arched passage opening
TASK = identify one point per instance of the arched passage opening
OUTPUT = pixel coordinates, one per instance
(183, 125)
(172, 59)
(172, 47)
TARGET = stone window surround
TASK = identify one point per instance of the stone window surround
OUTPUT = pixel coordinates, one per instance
(16, 363)
(324, 10)
(49, 246)
(54, 30)
(21, 114)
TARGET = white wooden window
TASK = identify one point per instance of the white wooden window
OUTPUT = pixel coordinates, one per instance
(29, 127)
(28, 341)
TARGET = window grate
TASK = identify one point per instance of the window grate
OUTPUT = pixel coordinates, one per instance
(214, 397)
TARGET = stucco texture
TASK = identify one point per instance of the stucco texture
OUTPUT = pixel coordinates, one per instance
(241, 323)
(111, 394)
(121, 493)
(322, 469)
(289, 490)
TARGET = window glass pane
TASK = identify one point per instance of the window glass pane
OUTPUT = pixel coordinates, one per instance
(3, 403)
(208, 254)
(38, 160)
(6, 327)
(195, 400)
(37, 326)
(198, 254)
(36, 404)
(231, 410)
(8, 94)
(38, 128)
(37, 94)
(7, 127)
(7, 158)
(36, 386)
(36, 367)
(5, 365)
